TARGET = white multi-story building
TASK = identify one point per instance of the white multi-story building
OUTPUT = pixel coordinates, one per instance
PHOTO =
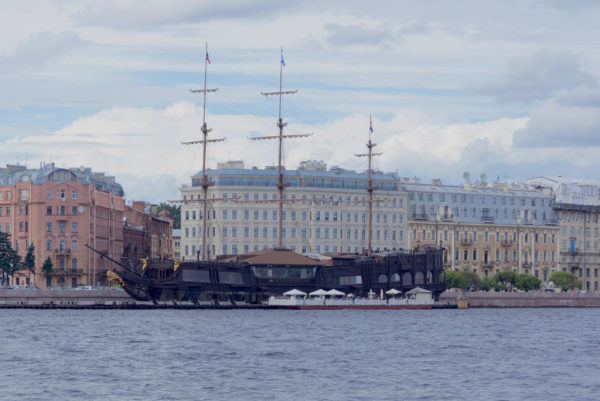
(324, 211)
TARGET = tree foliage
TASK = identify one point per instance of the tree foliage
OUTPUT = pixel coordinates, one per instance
(472, 279)
(500, 281)
(47, 267)
(174, 212)
(10, 261)
(454, 279)
(527, 282)
(30, 259)
(565, 280)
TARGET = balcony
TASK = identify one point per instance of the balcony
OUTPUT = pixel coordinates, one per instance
(419, 216)
(68, 272)
(551, 222)
(527, 264)
(487, 219)
(466, 241)
(62, 252)
(506, 242)
(446, 217)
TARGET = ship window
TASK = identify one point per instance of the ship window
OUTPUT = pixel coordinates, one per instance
(419, 278)
(195, 275)
(350, 280)
(230, 278)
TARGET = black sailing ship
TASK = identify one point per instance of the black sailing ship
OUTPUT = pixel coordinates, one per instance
(253, 277)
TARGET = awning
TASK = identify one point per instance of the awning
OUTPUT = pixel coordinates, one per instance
(335, 293)
(318, 293)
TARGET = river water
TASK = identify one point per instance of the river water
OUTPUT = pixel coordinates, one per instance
(477, 354)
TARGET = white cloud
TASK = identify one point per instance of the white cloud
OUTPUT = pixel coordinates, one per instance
(539, 77)
(40, 48)
(556, 125)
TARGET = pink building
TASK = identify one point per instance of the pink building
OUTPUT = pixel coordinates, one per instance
(59, 210)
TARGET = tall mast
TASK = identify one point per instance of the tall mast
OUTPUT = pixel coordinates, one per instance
(205, 130)
(370, 187)
(280, 182)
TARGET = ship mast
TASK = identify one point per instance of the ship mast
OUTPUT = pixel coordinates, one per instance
(280, 182)
(205, 130)
(370, 187)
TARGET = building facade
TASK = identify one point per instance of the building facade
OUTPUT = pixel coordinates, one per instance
(324, 211)
(59, 210)
(486, 229)
(176, 243)
(146, 234)
(577, 205)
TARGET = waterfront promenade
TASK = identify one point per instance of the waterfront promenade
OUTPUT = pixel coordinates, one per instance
(118, 299)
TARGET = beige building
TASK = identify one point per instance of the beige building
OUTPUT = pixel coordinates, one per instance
(486, 229)
(324, 211)
(176, 239)
(577, 205)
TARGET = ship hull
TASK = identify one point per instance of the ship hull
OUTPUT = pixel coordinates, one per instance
(249, 281)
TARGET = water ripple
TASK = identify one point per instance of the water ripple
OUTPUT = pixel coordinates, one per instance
(487, 354)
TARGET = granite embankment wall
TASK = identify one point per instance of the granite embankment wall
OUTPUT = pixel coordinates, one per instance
(63, 297)
(481, 299)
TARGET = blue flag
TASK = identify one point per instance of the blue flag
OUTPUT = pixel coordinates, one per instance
(370, 125)
(282, 60)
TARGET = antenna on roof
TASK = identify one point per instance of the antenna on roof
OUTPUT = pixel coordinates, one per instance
(280, 183)
(205, 130)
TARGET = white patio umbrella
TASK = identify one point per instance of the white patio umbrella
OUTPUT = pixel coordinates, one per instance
(393, 291)
(335, 293)
(318, 293)
(294, 293)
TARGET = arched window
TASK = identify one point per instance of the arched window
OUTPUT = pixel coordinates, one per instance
(395, 277)
(419, 278)
(407, 279)
(382, 278)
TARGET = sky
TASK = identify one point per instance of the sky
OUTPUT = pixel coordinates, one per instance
(509, 89)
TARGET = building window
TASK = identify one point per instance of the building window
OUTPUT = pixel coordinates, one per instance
(49, 245)
(74, 194)
(74, 245)
(61, 227)
(48, 227)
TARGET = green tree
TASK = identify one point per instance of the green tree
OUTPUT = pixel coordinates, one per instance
(565, 280)
(10, 261)
(506, 279)
(490, 283)
(29, 263)
(47, 267)
(174, 212)
(472, 279)
(454, 279)
(527, 282)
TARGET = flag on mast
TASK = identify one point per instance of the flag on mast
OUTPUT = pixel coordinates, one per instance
(370, 125)
(282, 60)
(207, 58)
